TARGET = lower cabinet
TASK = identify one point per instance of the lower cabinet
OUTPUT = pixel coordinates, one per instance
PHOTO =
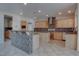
(7, 35)
(35, 42)
(56, 35)
(70, 41)
(44, 37)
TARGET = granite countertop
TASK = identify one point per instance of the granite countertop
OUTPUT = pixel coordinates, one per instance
(22, 31)
(32, 32)
(71, 32)
(66, 30)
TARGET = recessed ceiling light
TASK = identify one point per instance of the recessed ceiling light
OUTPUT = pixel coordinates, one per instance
(25, 3)
(21, 13)
(39, 11)
(59, 13)
(69, 11)
(47, 15)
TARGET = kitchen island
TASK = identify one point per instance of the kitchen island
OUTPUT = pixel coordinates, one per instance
(25, 41)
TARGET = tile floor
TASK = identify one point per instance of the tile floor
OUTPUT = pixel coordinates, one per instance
(45, 49)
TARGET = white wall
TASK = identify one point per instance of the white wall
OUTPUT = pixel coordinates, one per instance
(16, 22)
(32, 25)
(78, 28)
(76, 17)
(1, 29)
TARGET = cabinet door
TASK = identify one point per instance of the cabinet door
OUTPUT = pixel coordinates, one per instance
(65, 23)
(37, 24)
(45, 24)
(59, 24)
(58, 35)
(23, 25)
(68, 23)
(71, 40)
(41, 24)
(1, 29)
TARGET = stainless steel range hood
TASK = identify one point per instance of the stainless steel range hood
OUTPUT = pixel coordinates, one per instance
(51, 22)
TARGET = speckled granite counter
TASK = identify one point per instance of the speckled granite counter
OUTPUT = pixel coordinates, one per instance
(22, 40)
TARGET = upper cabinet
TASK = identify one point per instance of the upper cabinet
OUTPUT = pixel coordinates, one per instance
(23, 22)
(23, 25)
(41, 24)
(54, 23)
(44, 24)
(68, 23)
(37, 24)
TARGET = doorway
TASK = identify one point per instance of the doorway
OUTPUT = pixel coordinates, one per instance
(7, 27)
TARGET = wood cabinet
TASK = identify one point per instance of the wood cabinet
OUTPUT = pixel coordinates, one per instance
(69, 23)
(41, 24)
(37, 24)
(23, 25)
(23, 22)
(7, 35)
(56, 35)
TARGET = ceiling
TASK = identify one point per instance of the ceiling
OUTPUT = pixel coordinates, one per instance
(31, 9)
